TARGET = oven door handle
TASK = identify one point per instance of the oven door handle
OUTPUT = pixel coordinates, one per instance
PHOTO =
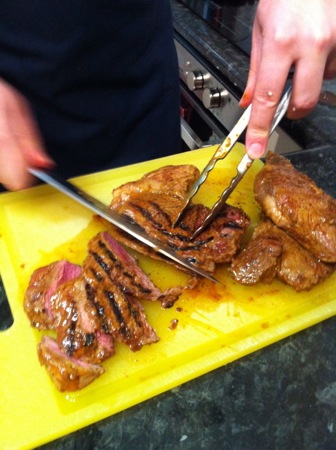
(189, 136)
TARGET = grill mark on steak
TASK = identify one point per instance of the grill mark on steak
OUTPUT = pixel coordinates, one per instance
(69, 343)
(110, 254)
(114, 305)
(95, 274)
(170, 237)
(127, 275)
(89, 338)
(233, 225)
(91, 295)
(100, 261)
(147, 215)
(196, 245)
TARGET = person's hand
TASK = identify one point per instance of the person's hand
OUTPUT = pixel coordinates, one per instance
(20, 142)
(298, 34)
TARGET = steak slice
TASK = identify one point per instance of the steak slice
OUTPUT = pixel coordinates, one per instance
(67, 373)
(120, 311)
(80, 332)
(155, 212)
(42, 285)
(272, 253)
(296, 205)
(124, 270)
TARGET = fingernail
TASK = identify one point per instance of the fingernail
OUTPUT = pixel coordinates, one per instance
(255, 150)
(45, 161)
(245, 99)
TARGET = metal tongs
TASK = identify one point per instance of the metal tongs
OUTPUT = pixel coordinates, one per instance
(243, 166)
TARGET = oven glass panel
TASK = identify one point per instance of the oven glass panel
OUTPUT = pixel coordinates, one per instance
(232, 18)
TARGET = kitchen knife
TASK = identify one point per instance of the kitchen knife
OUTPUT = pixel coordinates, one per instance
(95, 205)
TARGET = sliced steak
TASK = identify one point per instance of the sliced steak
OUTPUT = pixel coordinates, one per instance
(296, 205)
(272, 253)
(67, 373)
(121, 313)
(80, 332)
(42, 285)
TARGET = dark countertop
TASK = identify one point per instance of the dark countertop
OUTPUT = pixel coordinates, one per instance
(281, 397)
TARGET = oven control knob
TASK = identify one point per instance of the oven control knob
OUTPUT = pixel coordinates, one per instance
(196, 80)
(214, 98)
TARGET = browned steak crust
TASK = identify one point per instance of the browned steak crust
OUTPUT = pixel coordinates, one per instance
(43, 283)
(89, 307)
(80, 333)
(272, 253)
(154, 211)
(296, 205)
(108, 272)
(67, 373)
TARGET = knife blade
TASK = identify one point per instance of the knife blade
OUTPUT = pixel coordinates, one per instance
(98, 207)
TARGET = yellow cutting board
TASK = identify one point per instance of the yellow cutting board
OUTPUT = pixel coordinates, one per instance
(207, 327)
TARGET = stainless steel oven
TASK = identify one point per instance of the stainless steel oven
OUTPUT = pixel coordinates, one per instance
(209, 106)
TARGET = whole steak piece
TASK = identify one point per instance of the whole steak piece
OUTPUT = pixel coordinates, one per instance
(296, 205)
(153, 202)
(272, 253)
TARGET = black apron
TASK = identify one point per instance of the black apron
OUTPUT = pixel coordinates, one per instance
(101, 76)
